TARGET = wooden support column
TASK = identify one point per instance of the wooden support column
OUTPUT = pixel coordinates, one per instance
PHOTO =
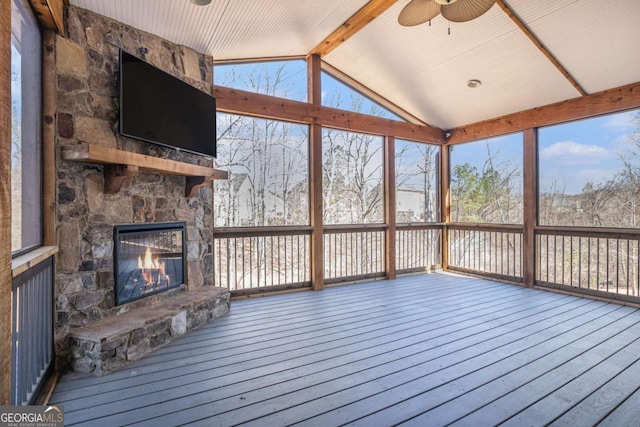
(315, 176)
(390, 205)
(530, 206)
(315, 193)
(314, 76)
(445, 203)
(48, 138)
(5, 203)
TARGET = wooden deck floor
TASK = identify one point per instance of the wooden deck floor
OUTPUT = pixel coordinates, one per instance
(423, 350)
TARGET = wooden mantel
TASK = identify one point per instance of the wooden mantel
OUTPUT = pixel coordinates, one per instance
(120, 165)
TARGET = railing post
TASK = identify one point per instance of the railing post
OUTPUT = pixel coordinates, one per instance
(445, 204)
(530, 205)
(315, 171)
(390, 205)
(5, 202)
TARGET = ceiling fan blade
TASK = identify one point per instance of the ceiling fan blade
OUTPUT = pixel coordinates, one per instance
(418, 11)
(466, 10)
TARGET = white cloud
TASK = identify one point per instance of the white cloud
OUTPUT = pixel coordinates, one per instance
(574, 153)
(622, 121)
(623, 144)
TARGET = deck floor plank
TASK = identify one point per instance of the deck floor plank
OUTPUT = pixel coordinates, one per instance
(559, 401)
(180, 365)
(363, 371)
(494, 402)
(228, 370)
(603, 401)
(424, 350)
(420, 391)
(627, 414)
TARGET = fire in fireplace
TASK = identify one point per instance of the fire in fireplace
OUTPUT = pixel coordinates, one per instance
(148, 259)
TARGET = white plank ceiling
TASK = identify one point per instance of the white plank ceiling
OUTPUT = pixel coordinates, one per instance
(421, 69)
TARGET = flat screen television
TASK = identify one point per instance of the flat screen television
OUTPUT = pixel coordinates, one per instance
(159, 108)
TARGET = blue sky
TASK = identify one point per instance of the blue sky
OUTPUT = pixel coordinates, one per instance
(570, 155)
(506, 151)
(584, 151)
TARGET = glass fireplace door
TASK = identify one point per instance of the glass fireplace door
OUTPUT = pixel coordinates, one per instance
(149, 258)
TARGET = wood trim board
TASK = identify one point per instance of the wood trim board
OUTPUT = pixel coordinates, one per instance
(608, 101)
(5, 203)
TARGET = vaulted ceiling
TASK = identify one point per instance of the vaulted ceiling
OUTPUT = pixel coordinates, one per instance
(526, 53)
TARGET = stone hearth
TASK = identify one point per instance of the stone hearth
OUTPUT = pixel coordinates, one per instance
(108, 345)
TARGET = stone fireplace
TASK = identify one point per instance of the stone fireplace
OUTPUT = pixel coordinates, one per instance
(87, 286)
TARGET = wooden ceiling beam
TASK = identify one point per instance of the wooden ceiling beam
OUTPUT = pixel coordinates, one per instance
(527, 32)
(50, 14)
(608, 101)
(358, 21)
(236, 101)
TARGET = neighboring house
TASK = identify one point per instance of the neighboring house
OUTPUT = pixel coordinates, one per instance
(409, 204)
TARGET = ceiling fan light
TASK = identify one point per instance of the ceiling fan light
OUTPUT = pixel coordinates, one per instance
(201, 2)
(445, 2)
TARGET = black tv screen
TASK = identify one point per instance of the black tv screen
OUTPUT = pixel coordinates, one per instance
(160, 108)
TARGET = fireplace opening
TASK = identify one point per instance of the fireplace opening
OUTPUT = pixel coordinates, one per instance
(148, 259)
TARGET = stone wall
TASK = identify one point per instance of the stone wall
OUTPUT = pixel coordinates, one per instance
(87, 111)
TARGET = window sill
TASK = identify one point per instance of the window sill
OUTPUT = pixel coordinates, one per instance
(25, 262)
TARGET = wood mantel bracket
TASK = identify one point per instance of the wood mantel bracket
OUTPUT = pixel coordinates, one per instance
(194, 183)
(121, 165)
(116, 175)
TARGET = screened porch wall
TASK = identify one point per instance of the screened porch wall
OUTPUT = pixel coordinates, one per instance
(525, 253)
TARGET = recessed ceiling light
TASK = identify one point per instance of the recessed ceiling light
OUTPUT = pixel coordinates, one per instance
(201, 2)
(474, 83)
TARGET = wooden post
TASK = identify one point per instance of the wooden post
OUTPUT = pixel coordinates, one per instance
(5, 203)
(315, 176)
(390, 205)
(530, 214)
(314, 76)
(315, 197)
(445, 203)
(48, 138)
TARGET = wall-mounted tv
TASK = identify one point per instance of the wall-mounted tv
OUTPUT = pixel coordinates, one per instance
(160, 108)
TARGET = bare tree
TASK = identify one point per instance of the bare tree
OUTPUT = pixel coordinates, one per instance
(503, 191)
(352, 177)
(416, 167)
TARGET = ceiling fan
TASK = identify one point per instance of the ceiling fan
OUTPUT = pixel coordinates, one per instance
(418, 11)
